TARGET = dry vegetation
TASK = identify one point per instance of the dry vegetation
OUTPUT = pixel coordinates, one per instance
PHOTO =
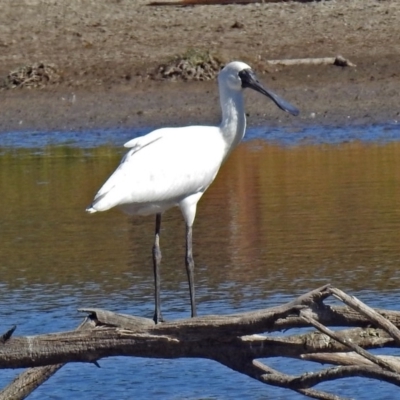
(32, 76)
(193, 65)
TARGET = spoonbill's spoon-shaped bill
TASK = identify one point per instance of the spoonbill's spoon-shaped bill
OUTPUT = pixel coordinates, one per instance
(249, 80)
(174, 166)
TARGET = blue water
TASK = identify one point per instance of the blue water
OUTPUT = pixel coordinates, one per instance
(40, 308)
(316, 135)
(37, 310)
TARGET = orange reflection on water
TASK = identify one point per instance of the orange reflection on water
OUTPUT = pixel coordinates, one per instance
(325, 213)
(277, 219)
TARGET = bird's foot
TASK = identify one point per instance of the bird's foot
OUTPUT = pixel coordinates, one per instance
(158, 319)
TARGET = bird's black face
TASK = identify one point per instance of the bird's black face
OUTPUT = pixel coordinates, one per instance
(249, 80)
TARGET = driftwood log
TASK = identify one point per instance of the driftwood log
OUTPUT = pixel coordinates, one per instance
(217, 2)
(339, 61)
(237, 341)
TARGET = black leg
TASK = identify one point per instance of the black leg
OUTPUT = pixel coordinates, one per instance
(156, 267)
(190, 269)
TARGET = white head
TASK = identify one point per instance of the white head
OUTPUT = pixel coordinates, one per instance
(237, 76)
(229, 75)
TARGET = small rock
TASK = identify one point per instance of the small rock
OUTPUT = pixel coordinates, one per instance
(237, 25)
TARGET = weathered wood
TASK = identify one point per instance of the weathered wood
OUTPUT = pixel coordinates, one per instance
(209, 326)
(257, 370)
(88, 346)
(5, 336)
(25, 383)
(314, 378)
(235, 341)
(349, 343)
(347, 359)
(217, 2)
(339, 61)
(278, 379)
(368, 313)
(108, 318)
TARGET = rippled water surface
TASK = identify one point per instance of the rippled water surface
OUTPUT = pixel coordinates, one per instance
(288, 212)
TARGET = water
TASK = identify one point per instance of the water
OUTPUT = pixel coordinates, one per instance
(288, 212)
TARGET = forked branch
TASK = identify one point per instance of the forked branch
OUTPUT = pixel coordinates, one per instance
(236, 341)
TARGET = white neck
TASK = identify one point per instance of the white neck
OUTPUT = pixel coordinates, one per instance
(233, 124)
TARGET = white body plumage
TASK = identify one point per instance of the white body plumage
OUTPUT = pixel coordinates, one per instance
(174, 166)
(166, 168)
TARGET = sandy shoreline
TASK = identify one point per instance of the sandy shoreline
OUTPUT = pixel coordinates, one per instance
(106, 50)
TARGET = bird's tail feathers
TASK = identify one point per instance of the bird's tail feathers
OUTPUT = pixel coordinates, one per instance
(102, 202)
(90, 209)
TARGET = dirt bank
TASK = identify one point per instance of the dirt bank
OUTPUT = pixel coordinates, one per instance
(106, 50)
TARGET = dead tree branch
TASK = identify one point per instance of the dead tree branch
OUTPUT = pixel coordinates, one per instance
(339, 61)
(368, 312)
(185, 3)
(25, 383)
(349, 343)
(236, 341)
(8, 334)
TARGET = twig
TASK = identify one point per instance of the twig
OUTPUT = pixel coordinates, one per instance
(340, 358)
(359, 350)
(314, 378)
(8, 334)
(279, 379)
(368, 312)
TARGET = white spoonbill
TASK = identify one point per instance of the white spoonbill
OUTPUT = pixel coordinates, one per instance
(174, 166)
